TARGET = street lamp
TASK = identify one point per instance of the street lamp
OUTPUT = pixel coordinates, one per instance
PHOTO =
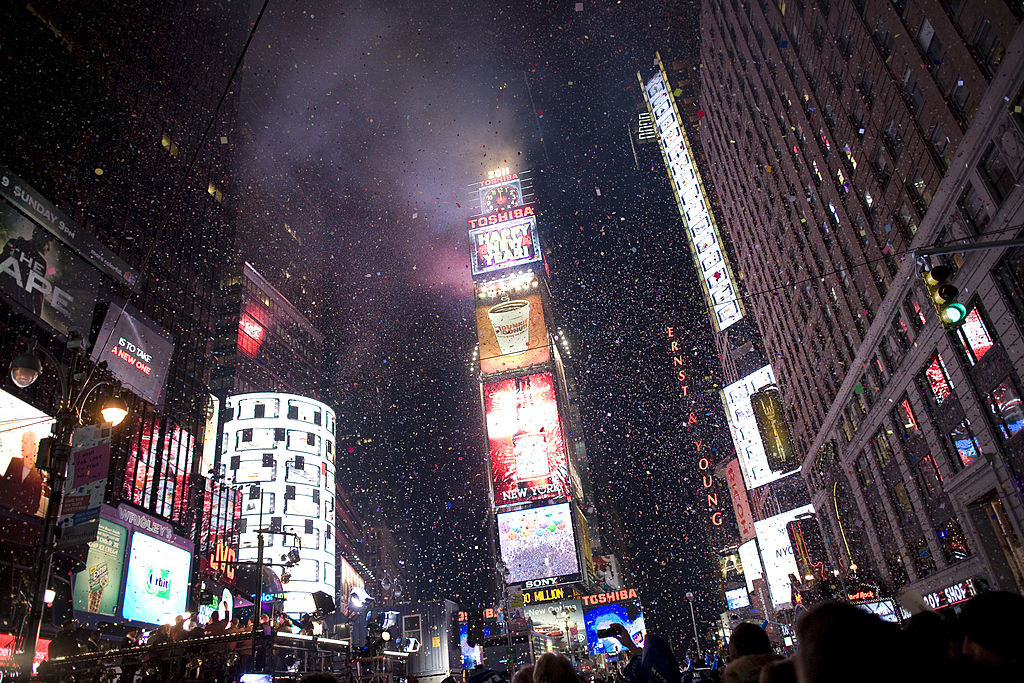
(693, 618)
(566, 611)
(78, 380)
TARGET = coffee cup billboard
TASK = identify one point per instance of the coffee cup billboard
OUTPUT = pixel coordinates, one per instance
(512, 332)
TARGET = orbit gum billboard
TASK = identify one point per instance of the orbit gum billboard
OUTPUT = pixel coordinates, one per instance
(528, 460)
(538, 545)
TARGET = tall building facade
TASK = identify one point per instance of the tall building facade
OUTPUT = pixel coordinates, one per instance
(115, 226)
(841, 137)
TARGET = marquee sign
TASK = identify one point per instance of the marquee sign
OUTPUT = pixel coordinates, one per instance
(717, 279)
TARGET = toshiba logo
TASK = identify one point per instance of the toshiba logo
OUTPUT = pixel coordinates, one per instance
(605, 598)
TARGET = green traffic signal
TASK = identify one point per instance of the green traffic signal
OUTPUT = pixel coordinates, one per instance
(953, 315)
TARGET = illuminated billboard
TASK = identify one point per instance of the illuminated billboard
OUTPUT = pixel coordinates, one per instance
(777, 552)
(136, 351)
(558, 626)
(737, 598)
(618, 607)
(157, 583)
(743, 426)
(771, 424)
(350, 579)
(510, 324)
(504, 245)
(21, 483)
(538, 543)
(740, 499)
(528, 460)
(717, 279)
(98, 586)
(751, 562)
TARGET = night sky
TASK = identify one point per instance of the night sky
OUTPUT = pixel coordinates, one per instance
(368, 122)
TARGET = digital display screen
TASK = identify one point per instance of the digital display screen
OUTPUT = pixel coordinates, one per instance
(528, 460)
(138, 353)
(743, 426)
(504, 245)
(737, 598)
(510, 326)
(777, 552)
(628, 613)
(538, 543)
(157, 585)
(21, 482)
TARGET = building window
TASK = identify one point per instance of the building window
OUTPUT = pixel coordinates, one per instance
(170, 145)
(215, 192)
(965, 443)
(924, 563)
(930, 476)
(972, 208)
(901, 502)
(883, 450)
(974, 336)
(938, 379)
(904, 416)
(987, 46)
(998, 174)
(953, 542)
(1004, 404)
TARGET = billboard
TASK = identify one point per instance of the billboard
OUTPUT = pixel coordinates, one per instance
(350, 578)
(85, 486)
(619, 607)
(44, 213)
(607, 572)
(21, 484)
(528, 460)
(554, 626)
(751, 562)
(743, 426)
(777, 552)
(707, 247)
(510, 324)
(43, 276)
(737, 598)
(98, 586)
(157, 583)
(136, 351)
(771, 424)
(740, 500)
(538, 543)
(504, 245)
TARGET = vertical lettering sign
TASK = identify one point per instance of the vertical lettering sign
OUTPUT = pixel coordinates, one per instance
(704, 464)
(717, 279)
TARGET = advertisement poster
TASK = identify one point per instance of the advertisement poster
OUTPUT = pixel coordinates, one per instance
(538, 543)
(607, 572)
(349, 579)
(85, 486)
(21, 484)
(737, 598)
(740, 500)
(626, 612)
(98, 586)
(743, 426)
(137, 352)
(528, 459)
(510, 327)
(504, 245)
(554, 625)
(157, 584)
(43, 276)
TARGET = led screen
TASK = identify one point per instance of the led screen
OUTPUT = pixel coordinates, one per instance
(503, 245)
(777, 552)
(136, 351)
(350, 579)
(554, 626)
(627, 612)
(737, 598)
(510, 326)
(98, 586)
(21, 483)
(157, 584)
(743, 425)
(528, 459)
(538, 543)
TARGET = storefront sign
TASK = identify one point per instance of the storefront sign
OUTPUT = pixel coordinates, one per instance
(951, 595)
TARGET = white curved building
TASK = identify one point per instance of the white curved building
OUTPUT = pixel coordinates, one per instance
(280, 449)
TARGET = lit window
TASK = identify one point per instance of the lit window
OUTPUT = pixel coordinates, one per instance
(954, 543)
(938, 380)
(1004, 403)
(868, 199)
(965, 443)
(842, 180)
(974, 336)
(906, 417)
(172, 148)
(817, 173)
(849, 155)
(835, 213)
(215, 192)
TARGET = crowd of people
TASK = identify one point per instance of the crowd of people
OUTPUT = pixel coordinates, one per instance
(837, 643)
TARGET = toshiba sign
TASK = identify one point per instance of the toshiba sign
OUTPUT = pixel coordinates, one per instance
(606, 598)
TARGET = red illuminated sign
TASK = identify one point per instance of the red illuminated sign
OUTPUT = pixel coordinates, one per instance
(224, 559)
(527, 447)
(740, 501)
(501, 216)
(250, 335)
(613, 596)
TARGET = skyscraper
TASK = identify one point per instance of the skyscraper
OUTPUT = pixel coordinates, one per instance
(842, 138)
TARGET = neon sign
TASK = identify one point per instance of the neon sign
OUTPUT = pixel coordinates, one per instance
(501, 216)
(717, 279)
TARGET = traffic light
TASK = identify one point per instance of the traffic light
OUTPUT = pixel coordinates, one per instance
(943, 295)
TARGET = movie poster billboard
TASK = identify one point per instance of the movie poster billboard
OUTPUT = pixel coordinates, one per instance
(136, 351)
(21, 484)
(98, 586)
(618, 607)
(528, 460)
(743, 426)
(510, 324)
(504, 245)
(43, 276)
(538, 543)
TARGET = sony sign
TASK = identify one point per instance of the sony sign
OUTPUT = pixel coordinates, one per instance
(709, 254)
(541, 583)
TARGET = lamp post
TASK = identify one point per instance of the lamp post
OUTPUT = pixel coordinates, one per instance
(693, 618)
(78, 380)
(566, 611)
